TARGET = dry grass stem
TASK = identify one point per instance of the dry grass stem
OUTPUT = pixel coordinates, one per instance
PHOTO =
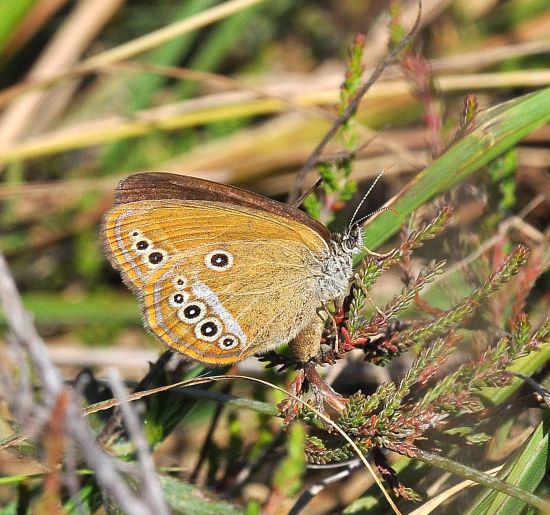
(80, 29)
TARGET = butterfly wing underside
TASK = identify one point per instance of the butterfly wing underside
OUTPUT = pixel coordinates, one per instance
(218, 282)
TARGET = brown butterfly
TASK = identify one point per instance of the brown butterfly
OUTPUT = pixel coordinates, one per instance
(223, 273)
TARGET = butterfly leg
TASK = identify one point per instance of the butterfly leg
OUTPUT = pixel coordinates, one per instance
(336, 321)
(338, 327)
(306, 346)
(322, 391)
(323, 313)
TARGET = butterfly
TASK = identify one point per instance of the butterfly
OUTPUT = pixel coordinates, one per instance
(222, 273)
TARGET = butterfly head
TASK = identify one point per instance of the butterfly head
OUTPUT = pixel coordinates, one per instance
(351, 241)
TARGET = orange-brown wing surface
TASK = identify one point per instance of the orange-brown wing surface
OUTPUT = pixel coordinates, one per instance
(218, 282)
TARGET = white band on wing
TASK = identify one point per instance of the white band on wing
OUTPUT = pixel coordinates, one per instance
(205, 294)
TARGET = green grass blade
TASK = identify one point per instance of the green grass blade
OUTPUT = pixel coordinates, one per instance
(526, 366)
(11, 13)
(526, 471)
(499, 129)
(49, 309)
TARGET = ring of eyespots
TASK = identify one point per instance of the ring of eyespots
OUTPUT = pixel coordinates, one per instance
(192, 312)
(228, 342)
(218, 260)
(208, 329)
(152, 256)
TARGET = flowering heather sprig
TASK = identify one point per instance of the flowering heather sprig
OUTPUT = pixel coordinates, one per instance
(373, 267)
(398, 303)
(542, 336)
(467, 116)
(353, 74)
(390, 476)
(338, 187)
(521, 329)
(353, 415)
(431, 358)
(419, 74)
(525, 282)
(450, 320)
(360, 407)
(408, 294)
(350, 88)
(511, 266)
(387, 418)
(457, 393)
(465, 309)
(317, 452)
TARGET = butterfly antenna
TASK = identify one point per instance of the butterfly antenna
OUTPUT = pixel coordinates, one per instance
(352, 221)
(380, 210)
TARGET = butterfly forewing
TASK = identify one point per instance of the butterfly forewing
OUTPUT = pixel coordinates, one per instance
(218, 282)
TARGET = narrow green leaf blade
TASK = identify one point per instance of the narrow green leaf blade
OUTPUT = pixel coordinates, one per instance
(500, 128)
(525, 471)
(11, 13)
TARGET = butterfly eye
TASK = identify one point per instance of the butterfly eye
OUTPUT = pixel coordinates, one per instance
(208, 330)
(192, 312)
(228, 342)
(178, 299)
(180, 282)
(218, 260)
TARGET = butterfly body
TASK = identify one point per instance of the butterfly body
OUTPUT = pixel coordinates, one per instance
(222, 273)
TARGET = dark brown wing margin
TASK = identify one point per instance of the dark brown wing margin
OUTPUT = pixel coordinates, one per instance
(162, 185)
